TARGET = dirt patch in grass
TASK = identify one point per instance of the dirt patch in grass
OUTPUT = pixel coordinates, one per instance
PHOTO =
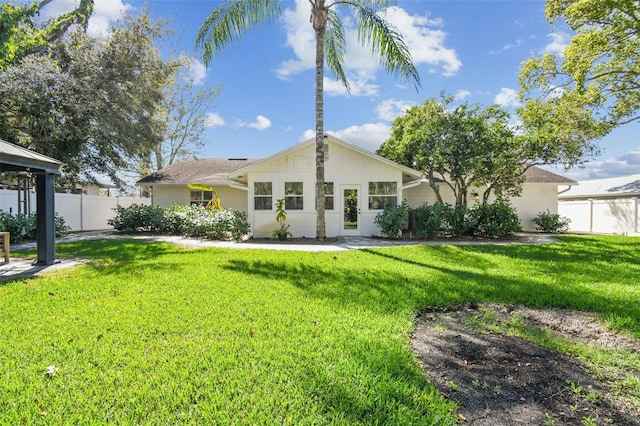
(498, 378)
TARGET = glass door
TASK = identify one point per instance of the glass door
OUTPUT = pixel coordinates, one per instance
(351, 210)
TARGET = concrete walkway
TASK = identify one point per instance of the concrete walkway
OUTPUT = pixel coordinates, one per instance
(21, 267)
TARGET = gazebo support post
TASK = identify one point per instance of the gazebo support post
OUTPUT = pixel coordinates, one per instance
(45, 215)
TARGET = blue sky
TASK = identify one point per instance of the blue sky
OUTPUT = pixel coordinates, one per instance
(471, 49)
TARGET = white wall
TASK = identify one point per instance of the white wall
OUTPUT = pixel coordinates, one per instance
(610, 216)
(80, 212)
(533, 200)
(230, 198)
(343, 167)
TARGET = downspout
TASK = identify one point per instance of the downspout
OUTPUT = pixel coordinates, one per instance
(564, 190)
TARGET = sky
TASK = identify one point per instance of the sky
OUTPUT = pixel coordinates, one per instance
(469, 49)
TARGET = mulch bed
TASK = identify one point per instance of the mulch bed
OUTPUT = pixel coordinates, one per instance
(500, 379)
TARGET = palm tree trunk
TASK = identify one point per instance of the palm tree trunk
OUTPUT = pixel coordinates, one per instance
(319, 17)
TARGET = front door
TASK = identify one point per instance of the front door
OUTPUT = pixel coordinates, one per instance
(350, 210)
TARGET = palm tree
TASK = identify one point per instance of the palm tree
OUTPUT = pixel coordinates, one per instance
(233, 18)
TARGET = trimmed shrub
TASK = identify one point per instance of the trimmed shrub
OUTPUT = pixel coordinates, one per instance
(23, 227)
(190, 221)
(429, 220)
(551, 222)
(138, 218)
(455, 220)
(493, 220)
(392, 220)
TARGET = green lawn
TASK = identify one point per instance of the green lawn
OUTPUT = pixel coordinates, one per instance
(152, 333)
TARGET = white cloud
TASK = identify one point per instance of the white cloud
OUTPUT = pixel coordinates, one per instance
(462, 94)
(624, 164)
(507, 98)
(197, 71)
(368, 136)
(300, 37)
(261, 123)
(358, 86)
(213, 120)
(105, 12)
(510, 46)
(390, 109)
(427, 45)
(425, 41)
(559, 42)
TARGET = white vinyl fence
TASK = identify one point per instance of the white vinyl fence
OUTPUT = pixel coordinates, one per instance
(80, 212)
(615, 216)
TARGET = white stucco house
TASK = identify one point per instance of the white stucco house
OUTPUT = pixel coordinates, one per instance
(358, 185)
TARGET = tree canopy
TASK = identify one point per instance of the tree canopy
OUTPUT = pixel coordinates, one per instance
(90, 102)
(20, 36)
(594, 84)
(465, 146)
(468, 146)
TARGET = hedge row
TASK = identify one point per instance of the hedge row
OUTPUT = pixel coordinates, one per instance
(189, 221)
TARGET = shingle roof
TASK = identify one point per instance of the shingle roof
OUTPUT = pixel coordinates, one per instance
(537, 175)
(533, 174)
(207, 171)
(628, 186)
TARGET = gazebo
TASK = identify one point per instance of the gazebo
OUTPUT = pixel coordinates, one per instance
(14, 158)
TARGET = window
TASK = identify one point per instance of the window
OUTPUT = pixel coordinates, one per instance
(200, 197)
(382, 194)
(293, 199)
(328, 196)
(262, 196)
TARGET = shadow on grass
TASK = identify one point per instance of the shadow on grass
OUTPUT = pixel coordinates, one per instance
(387, 280)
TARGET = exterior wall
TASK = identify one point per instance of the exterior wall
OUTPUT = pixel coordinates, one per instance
(344, 167)
(80, 212)
(533, 200)
(230, 198)
(607, 216)
(166, 195)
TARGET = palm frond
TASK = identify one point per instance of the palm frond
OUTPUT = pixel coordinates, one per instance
(386, 41)
(334, 45)
(232, 19)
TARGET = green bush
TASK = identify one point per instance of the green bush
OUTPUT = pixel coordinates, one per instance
(190, 221)
(429, 220)
(392, 220)
(493, 220)
(551, 222)
(455, 220)
(483, 220)
(138, 218)
(23, 227)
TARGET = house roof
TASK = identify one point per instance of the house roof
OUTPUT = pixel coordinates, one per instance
(538, 175)
(206, 171)
(621, 186)
(534, 175)
(408, 174)
(17, 158)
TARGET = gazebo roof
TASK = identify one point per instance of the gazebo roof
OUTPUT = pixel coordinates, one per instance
(17, 158)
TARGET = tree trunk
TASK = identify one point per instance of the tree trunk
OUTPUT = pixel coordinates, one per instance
(319, 16)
